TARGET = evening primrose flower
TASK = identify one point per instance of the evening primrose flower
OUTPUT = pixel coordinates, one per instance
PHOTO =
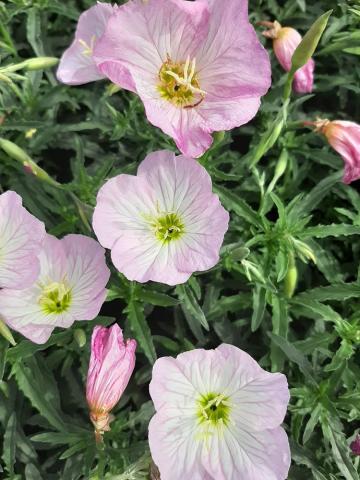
(111, 365)
(218, 417)
(70, 286)
(197, 66)
(21, 237)
(163, 224)
(344, 137)
(285, 42)
(77, 65)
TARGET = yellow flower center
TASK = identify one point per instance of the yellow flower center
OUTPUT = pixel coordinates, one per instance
(55, 297)
(213, 409)
(168, 227)
(178, 83)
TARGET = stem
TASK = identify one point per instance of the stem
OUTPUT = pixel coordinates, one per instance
(101, 454)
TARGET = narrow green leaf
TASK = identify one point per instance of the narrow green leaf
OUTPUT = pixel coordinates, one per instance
(312, 422)
(338, 291)
(157, 298)
(308, 44)
(259, 303)
(189, 302)
(280, 321)
(38, 385)
(323, 231)
(340, 453)
(141, 330)
(233, 202)
(9, 446)
(317, 309)
(32, 473)
(294, 355)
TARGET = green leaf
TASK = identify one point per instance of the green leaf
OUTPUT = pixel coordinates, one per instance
(32, 473)
(280, 322)
(340, 452)
(190, 304)
(338, 291)
(233, 202)
(4, 345)
(323, 231)
(309, 43)
(157, 298)
(9, 446)
(317, 309)
(38, 385)
(312, 422)
(140, 329)
(259, 303)
(27, 349)
(294, 355)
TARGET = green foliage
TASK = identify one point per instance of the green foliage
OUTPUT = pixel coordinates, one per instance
(287, 286)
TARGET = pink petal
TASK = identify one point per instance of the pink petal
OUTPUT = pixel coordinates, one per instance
(75, 67)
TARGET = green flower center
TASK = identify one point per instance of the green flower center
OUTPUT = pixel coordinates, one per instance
(168, 227)
(178, 84)
(213, 408)
(55, 298)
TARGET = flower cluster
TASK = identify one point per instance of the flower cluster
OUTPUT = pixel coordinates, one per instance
(47, 282)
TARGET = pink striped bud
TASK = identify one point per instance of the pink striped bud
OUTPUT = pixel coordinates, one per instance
(285, 42)
(112, 362)
(355, 446)
(344, 137)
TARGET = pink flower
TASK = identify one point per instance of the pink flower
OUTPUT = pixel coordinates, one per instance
(218, 417)
(197, 66)
(285, 42)
(112, 362)
(70, 286)
(344, 137)
(163, 224)
(21, 237)
(355, 446)
(77, 65)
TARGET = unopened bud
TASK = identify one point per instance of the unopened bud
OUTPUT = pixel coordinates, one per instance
(6, 333)
(291, 277)
(80, 337)
(304, 250)
(40, 63)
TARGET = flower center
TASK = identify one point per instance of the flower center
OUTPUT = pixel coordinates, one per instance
(88, 49)
(214, 408)
(168, 227)
(179, 85)
(55, 298)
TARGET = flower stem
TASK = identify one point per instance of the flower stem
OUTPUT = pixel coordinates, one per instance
(101, 455)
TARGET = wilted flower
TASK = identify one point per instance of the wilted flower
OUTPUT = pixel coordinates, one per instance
(285, 42)
(70, 286)
(218, 417)
(77, 65)
(197, 66)
(355, 445)
(21, 237)
(112, 362)
(344, 137)
(165, 223)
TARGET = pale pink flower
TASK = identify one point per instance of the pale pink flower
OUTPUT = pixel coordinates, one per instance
(197, 66)
(163, 224)
(76, 64)
(70, 286)
(21, 237)
(344, 137)
(111, 365)
(218, 417)
(285, 42)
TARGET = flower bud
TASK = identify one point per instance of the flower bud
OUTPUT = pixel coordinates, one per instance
(6, 333)
(344, 137)
(285, 42)
(40, 63)
(112, 362)
(355, 446)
